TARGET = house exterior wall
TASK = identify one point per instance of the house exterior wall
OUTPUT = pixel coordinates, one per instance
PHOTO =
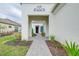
(4, 28)
(51, 24)
(28, 9)
(66, 23)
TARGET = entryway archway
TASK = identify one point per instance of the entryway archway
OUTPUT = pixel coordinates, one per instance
(38, 24)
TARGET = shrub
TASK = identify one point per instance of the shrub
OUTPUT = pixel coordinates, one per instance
(33, 34)
(72, 49)
(52, 37)
(43, 34)
(17, 36)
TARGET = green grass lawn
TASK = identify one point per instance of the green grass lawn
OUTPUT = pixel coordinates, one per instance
(7, 38)
(6, 50)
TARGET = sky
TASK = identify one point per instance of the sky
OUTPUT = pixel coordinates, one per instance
(11, 11)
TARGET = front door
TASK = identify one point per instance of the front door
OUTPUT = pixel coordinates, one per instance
(37, 29)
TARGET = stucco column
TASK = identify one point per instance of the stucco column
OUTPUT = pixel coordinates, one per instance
(25, 28)
(51, 24)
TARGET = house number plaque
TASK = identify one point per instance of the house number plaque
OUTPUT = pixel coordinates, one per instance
(39, 9)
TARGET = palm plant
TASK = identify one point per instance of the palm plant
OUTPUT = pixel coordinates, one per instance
(72, 49)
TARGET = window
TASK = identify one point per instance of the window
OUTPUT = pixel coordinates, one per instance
(10, 26)
(42, 28)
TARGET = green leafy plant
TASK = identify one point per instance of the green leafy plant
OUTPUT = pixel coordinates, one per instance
(52, 37)
(17, 36)
(33, 34)
(72, 49)
(43, 34)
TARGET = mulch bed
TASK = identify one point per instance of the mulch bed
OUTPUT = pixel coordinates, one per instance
(56, 48)
(19, 43)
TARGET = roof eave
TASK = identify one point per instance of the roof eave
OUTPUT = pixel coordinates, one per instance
(57, 7)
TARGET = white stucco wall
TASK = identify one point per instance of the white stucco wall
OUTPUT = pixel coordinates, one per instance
(24, 26)
(51, 24)
(28, 9)
(66, 23)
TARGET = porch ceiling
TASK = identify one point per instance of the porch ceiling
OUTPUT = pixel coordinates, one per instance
(38, 17)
